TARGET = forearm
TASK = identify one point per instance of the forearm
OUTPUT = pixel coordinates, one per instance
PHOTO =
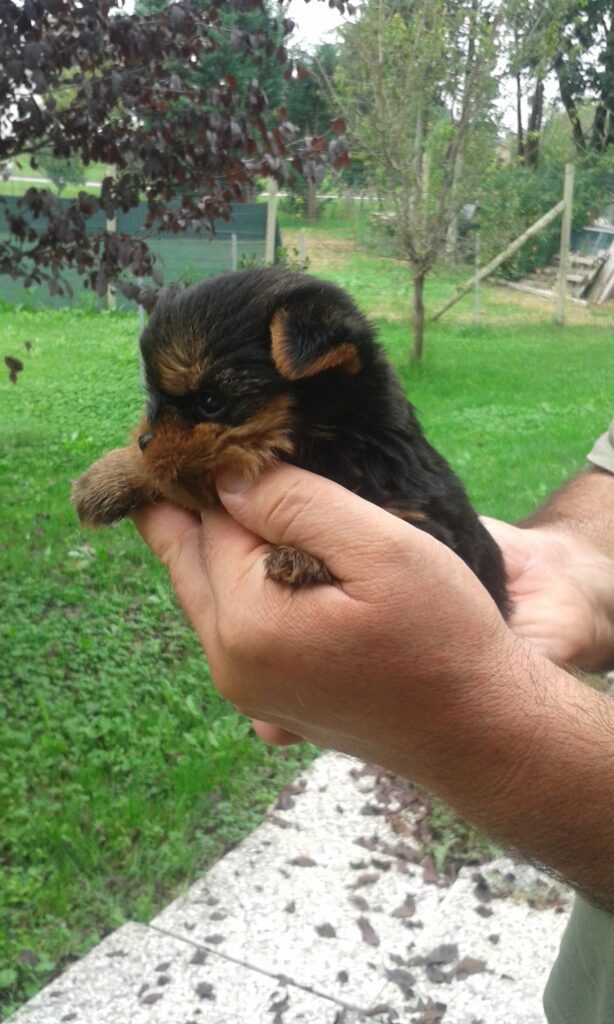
(405, 662)
(547, 790)
(564, 786)
(584, 507)
(535, 770)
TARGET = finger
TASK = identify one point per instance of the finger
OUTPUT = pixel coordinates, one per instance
(291, 506)
(515, 544)
(166, 528)
(233, 559)
(221, 534)
(274, 735)
(175, 537)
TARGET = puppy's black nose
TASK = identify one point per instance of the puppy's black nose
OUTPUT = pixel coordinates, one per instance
(144, 440)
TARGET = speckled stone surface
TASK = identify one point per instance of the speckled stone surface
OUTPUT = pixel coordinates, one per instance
(504, 923)
(328, 912)
(307, 874)
(140, 976)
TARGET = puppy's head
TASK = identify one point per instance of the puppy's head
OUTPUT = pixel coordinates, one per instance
(237, 367)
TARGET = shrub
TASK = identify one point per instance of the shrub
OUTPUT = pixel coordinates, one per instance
(512, 197)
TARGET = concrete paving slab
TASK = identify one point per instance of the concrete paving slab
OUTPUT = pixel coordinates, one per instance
(140, 976)
(491, 948)
(326, 915)
(325, 891)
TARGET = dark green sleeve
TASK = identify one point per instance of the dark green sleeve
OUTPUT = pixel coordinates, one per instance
(580, 989)
(602, 453)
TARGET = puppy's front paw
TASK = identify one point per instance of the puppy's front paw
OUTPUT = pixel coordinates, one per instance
(288, 565)
(110, 489)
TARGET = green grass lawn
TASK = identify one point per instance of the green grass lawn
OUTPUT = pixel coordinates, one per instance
(515, 403)
(122, 774)
(16, 185)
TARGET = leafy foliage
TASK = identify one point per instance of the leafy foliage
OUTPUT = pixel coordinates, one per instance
(512, 196)
(61, 172)
(92, 82)
(573, 41)
(310, 106)
(415, 82)
(584, 65)
(262, 23)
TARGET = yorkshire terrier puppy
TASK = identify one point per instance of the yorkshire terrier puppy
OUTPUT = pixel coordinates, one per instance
(251, 367)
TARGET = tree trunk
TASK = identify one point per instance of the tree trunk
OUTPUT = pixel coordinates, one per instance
(570, 106)
(599, 127)
(417, 315)
(602, 134)
(452, 233)
(519, 128)
(534, 126)
(311, 201)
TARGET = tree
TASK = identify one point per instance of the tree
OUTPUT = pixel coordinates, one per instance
(415, 79)
(264, 23)
(572, 40)
(309, 104)
(92, 82)
(532, 32)
(264, 26)
(584, 66)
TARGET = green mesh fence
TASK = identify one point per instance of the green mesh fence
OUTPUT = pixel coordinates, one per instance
(185, 257)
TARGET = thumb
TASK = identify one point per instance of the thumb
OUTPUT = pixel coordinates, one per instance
(288, 505)
(175, 537)
(516, 546)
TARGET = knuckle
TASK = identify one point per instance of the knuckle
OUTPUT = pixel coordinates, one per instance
(175, 549)
(239, 639)
(288, 508)
(250, 631)
(171, 553)
(231, 635)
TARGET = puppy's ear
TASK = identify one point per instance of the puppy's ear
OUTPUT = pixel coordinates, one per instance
(312, 333)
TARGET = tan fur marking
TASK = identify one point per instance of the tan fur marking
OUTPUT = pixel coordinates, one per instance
(177, 366)
(344, 356)
(293, 567)
(112, 487)
(183, 461)
(279, 343)
(410, 515)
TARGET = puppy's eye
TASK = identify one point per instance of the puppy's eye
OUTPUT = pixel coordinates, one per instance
(208, 405)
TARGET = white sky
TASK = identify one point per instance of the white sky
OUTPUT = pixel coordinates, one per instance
(316, 22)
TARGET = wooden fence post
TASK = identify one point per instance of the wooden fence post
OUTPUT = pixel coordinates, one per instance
(561, 290)
(111, 226)
(271, 223)
(513, 247)
(476, 289)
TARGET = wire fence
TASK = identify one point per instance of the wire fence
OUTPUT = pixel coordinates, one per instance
(185, 257)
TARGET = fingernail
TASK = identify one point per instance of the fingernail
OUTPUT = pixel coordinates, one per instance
(232, 481)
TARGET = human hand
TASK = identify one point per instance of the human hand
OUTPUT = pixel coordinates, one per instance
(405, 663)
(562, 589)
(398, 663)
